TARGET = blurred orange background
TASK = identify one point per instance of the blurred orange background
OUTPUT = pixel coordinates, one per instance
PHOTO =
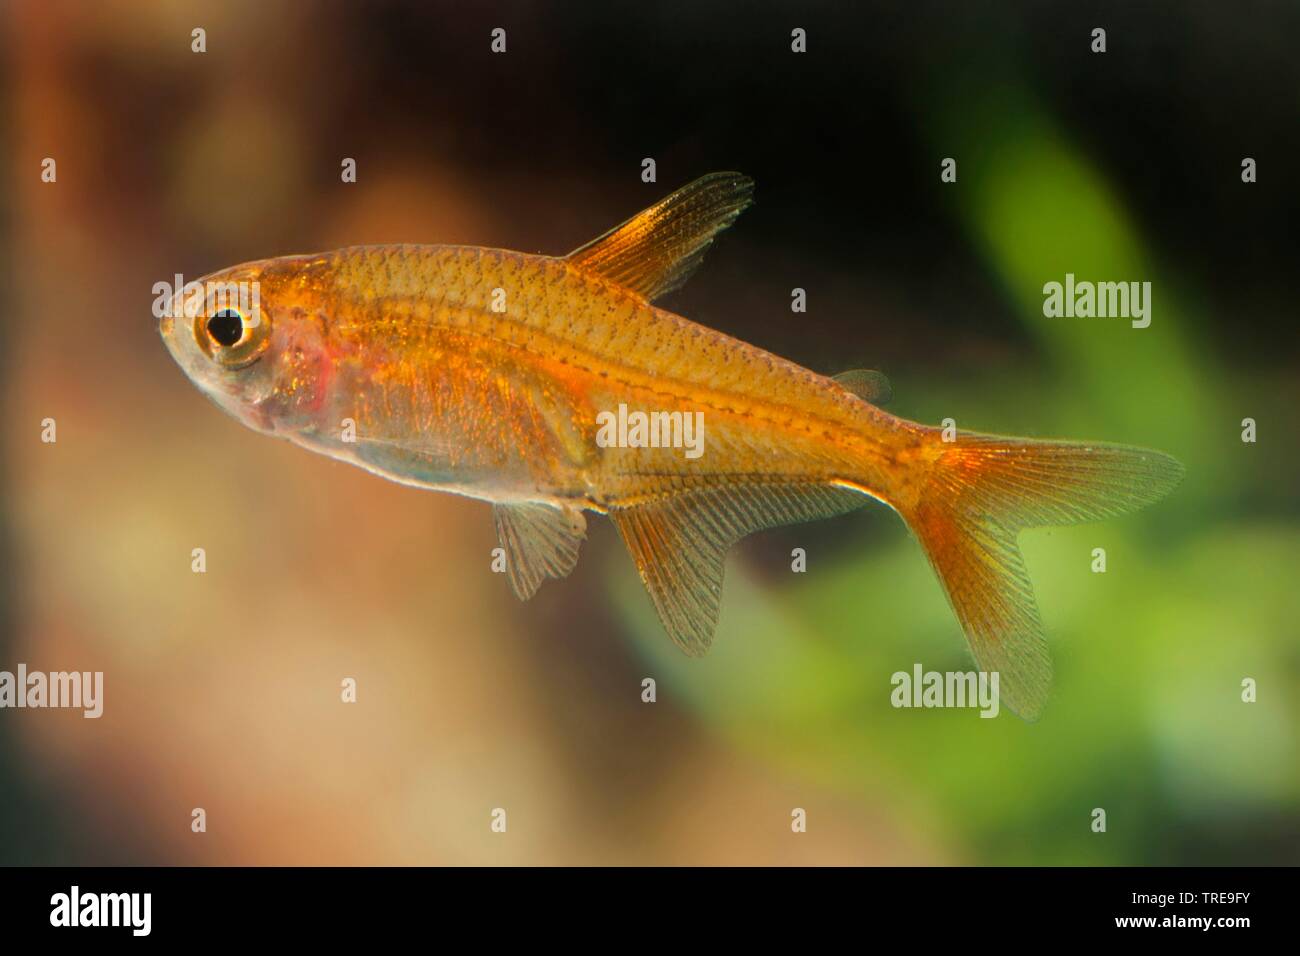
(222, 689)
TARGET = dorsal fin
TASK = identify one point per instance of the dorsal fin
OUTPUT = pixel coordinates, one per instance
(868, 384)
(680, 543)
(541, 542)
(656, 250)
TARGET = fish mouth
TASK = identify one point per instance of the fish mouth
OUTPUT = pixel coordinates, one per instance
(165, 326)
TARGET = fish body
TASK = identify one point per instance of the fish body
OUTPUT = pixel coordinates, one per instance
(552, 386)
(448, 394)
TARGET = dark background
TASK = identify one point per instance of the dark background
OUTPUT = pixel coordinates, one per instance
(173, 161)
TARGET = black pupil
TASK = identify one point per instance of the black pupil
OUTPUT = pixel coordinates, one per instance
(226, 327)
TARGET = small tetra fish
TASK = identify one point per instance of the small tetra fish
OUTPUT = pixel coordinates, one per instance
(551, 386)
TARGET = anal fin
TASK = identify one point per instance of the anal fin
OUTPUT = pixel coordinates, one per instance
(679, 543)
(540, 540)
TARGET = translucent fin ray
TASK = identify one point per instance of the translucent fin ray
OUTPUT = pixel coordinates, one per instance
(679, 544)
(982, 492)
(541, 541)
(656, 250)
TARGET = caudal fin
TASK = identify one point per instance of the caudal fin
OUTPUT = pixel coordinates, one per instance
(982, 491)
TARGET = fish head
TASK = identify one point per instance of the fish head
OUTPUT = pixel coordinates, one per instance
(249, 338)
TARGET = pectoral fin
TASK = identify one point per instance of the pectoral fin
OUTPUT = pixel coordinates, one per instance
(656, 250)
(541, 541)
(680, 544)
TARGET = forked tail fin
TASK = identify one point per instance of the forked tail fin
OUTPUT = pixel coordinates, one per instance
(982, 491)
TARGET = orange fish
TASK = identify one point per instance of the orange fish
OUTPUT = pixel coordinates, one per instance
(551, 386)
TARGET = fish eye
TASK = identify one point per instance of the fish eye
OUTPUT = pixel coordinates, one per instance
(226, 327)
(230, 338)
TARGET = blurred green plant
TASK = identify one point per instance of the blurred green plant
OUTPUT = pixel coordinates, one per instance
(1146, 720)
